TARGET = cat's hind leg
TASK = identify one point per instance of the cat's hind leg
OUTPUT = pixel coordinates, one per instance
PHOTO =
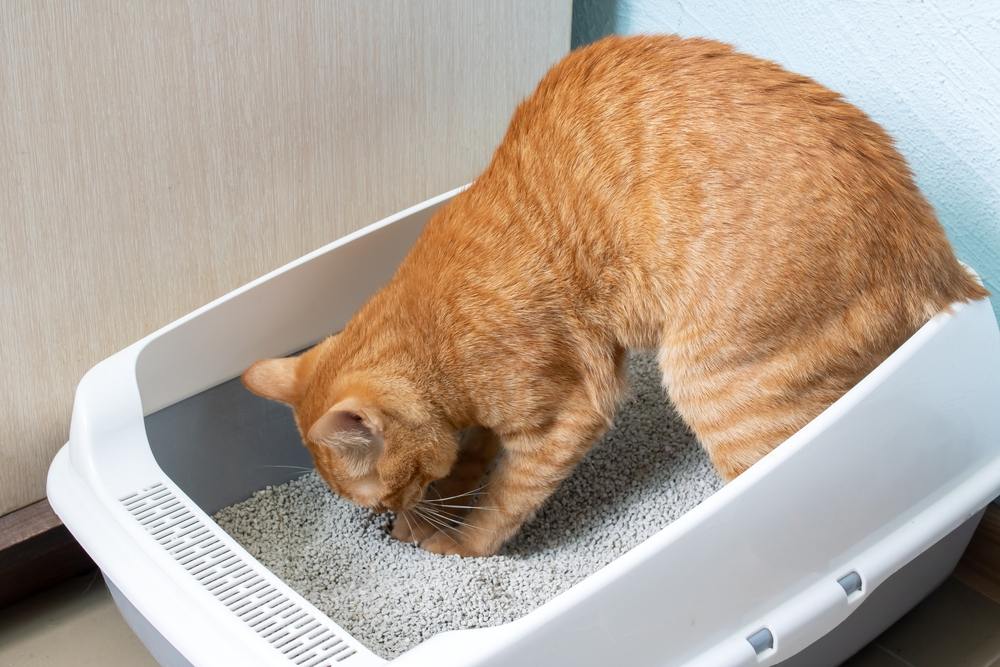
(741, 409)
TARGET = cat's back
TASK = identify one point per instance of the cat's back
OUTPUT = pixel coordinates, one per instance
(643, 106)
(788, 192)
(659, 176)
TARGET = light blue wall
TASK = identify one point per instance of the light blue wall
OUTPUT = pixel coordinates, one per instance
(928, 71)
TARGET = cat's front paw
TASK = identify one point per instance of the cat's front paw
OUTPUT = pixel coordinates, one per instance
(447, 545)
(411, 531)
(443, 544)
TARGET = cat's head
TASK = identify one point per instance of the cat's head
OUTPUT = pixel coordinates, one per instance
(372, 436)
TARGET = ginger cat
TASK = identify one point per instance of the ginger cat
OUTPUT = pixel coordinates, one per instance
(653, 192)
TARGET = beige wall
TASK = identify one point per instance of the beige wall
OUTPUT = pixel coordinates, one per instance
(156, 154)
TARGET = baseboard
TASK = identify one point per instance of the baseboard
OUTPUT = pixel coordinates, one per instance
(36, 552)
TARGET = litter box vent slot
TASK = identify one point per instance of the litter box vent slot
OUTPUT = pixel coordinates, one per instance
(302, 637)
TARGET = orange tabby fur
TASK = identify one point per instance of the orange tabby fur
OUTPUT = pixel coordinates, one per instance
(654, 192)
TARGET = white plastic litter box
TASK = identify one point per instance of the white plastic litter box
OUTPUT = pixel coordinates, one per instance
(800, 561)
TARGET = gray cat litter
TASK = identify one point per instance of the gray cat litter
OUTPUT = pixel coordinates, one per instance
(645, 473)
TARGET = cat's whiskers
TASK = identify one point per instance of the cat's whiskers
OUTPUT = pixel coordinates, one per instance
(467, 525)
(409, 525)
(442, 528)
(469, 507)
(460, 495)
(444, 516)
(452, 519)
(419, 516)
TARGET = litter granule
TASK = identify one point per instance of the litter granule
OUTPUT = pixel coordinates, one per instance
(391, 596)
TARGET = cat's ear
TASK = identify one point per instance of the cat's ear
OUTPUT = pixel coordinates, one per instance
(350, 426)
(276, 379)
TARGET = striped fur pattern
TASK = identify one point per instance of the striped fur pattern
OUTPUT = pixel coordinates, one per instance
(653, 192)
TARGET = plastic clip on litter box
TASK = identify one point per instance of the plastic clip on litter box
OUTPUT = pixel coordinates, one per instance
(799, 561)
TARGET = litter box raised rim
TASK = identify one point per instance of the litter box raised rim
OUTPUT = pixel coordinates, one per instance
(901, 461)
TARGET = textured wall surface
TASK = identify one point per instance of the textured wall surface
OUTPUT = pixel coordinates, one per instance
(157, 154)
(928, 71)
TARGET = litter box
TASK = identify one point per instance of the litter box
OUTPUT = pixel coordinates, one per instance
(800, 561)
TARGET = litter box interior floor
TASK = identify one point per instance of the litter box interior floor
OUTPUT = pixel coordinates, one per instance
(647, 471)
